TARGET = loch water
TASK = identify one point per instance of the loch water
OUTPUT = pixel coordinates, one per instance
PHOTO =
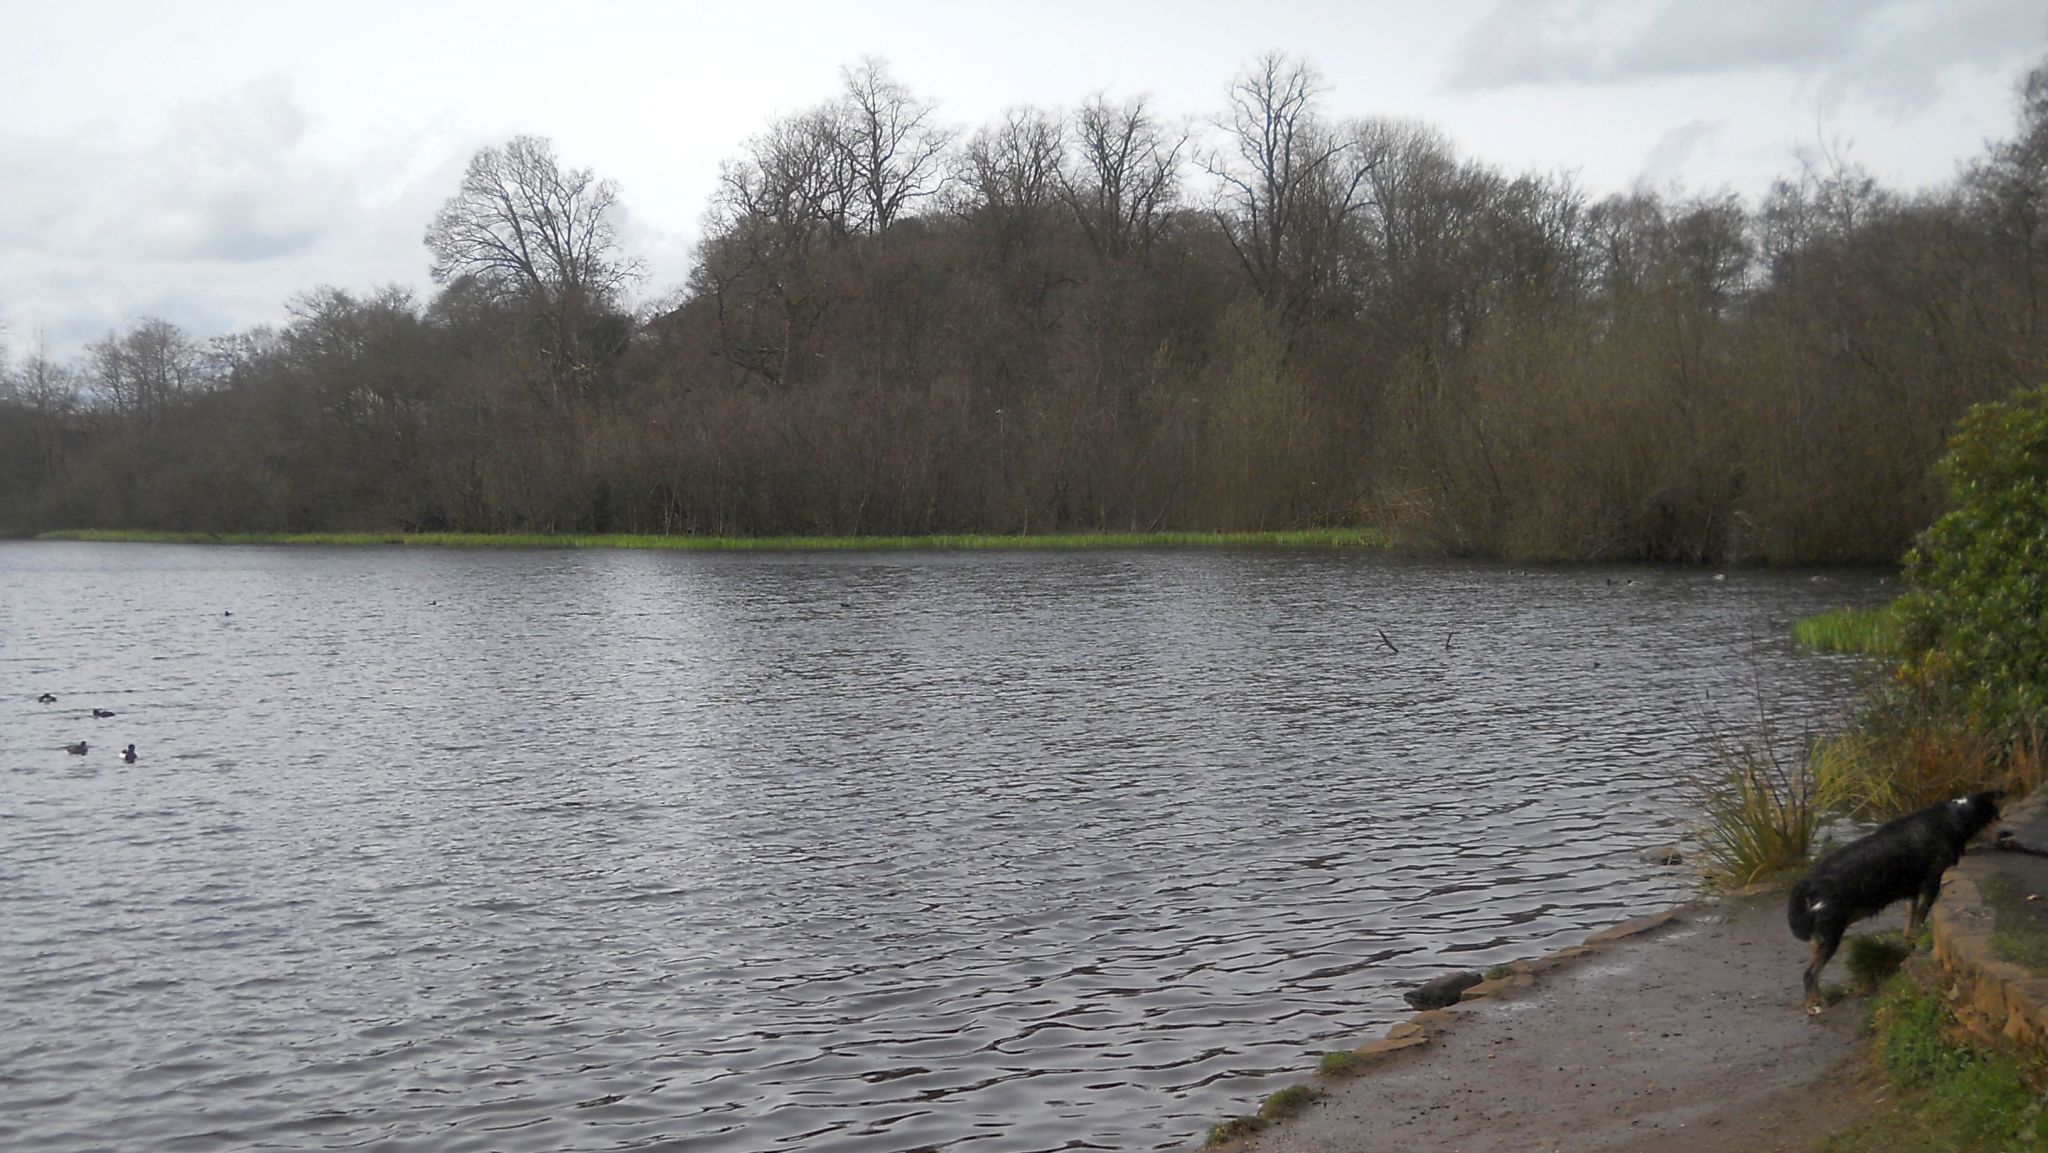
(436, 851)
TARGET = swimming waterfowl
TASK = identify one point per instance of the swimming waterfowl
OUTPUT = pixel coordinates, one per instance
(77, 750)
(103, 714)
(46, 699)
(128, 754)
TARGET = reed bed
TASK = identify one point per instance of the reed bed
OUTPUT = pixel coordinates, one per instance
(1876, 630)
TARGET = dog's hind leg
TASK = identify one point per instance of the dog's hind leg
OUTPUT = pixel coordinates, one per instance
(1825, 940)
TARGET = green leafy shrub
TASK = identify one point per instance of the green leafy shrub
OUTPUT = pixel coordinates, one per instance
(1976, 613)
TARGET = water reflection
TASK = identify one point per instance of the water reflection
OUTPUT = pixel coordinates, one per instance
(540, 851)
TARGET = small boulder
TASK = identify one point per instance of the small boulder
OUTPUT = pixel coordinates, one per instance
(1442, 992)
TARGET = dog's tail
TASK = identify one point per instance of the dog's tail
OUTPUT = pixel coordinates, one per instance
(1799, 911)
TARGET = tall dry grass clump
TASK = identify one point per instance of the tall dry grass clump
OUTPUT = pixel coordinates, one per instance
(1760, 804)
(1900, 757)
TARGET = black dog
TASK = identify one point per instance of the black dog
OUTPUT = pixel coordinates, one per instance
(1905, 858)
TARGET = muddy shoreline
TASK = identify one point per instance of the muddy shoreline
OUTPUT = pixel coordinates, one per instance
(1680, 1030)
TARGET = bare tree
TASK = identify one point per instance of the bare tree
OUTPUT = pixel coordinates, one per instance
(852, 166)
(1016, 165)
(1009, 176)
(48, 391)
(234, 360)
(1832, 198)
(793, 187)
(142, 373)
(776, 209)
(2010, 188)
(895, 145)
(529, 231)
(524, 225)
(1284, 187)
(1126, 178)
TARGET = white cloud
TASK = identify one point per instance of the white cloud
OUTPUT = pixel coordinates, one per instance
(211, 224)
(1665, 165)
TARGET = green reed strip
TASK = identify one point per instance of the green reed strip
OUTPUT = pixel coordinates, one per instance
(1308, 538)
(1874, 630)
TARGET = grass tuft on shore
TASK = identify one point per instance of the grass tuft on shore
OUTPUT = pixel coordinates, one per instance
(1872, 959)
(1233, 1130)
(1277, 1106)
(1336, 538)
(1760, 806)
(1287, 1102)
(1340, 1063)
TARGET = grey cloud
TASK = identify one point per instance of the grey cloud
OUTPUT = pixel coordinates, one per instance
(1694, 38)
(1891, 52)
(1900, 70)
(1534, 42)
(225, 183)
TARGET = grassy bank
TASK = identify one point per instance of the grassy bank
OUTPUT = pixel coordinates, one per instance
(1950, 1094)
(1308, 538)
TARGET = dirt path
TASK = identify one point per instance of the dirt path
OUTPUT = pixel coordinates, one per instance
(1686, 1039)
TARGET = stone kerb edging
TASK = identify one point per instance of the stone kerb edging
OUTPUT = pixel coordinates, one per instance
(1995, 999)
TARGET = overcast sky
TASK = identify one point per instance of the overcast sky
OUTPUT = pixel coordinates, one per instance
(203, 162)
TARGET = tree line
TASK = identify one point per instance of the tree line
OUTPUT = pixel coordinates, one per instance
(1103, 318)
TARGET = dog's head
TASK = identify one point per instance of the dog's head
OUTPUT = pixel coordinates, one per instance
(1975, 811)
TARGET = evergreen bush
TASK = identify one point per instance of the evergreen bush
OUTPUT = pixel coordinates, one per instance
(1976, 613)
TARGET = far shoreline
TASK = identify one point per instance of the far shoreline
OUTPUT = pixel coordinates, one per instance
(1336, 538)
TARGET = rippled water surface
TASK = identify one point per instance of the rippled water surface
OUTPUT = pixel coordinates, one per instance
(534, 851)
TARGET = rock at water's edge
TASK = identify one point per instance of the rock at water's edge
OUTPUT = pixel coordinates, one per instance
(1443, 991)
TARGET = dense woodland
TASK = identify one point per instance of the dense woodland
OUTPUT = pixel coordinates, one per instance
(1104, 318)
